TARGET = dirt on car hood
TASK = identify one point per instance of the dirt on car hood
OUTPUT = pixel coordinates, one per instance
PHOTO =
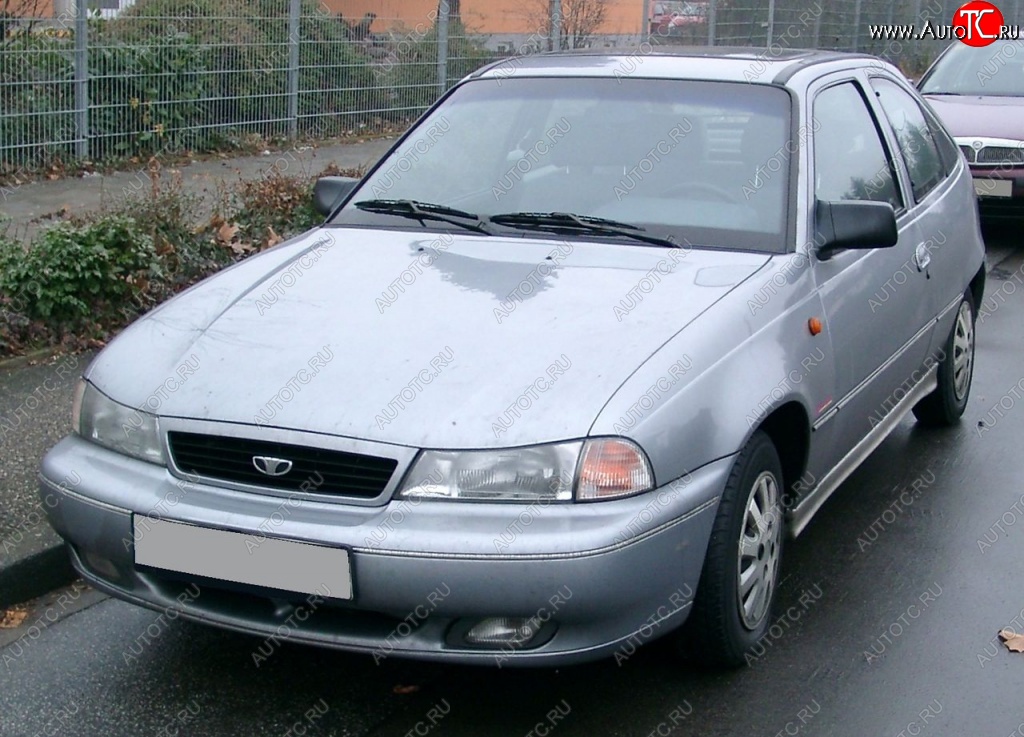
(417, 339)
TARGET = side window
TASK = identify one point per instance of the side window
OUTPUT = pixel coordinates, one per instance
(947, 148)
(917, 145)
(850, 161)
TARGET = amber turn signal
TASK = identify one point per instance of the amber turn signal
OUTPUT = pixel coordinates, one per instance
(613, 468)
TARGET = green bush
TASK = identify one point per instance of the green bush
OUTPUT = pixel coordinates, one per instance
(210, 74)
(411, 70)
(147, 98)
(83, 279)
(75, 274)
(170, 217)
(251, 40)
(37, 100)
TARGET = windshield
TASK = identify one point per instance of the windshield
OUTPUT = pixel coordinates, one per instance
(700, 163)
(996, 70)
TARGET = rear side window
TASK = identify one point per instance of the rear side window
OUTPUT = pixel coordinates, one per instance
(917, 144)
(850, 160)
(947, 148)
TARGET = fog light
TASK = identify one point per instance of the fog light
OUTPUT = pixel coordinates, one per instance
(102, 566)
(515, 631)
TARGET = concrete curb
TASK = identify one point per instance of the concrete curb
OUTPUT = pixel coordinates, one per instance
(37, 567)
(15, 362)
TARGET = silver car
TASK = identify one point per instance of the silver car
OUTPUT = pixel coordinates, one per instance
(557, 377)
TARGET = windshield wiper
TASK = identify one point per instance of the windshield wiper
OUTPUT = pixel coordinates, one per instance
(425, 211)
(556, 221)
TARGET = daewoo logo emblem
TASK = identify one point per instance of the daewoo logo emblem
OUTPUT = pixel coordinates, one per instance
(270, 466)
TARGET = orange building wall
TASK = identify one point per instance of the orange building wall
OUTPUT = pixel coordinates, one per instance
(483, 16)
(30, 8)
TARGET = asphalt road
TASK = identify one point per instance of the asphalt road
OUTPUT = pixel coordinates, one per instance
(889, 610)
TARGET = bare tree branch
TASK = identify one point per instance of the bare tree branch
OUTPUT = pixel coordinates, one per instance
(581, 19)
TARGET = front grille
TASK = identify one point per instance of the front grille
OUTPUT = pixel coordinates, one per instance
(322, 471)
(1001, 155)
(969, 153)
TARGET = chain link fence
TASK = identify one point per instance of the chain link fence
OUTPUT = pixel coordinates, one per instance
(846, 25)
(135, 78)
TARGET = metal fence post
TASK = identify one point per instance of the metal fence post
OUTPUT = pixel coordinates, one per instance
(82, 80)
(856, 26)
(771, 23)
(555, 34)
(645, 25)
(817, 25)
(294, 22)
(712, 21)
(443, 23)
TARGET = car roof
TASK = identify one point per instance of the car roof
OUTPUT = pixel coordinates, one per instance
(717, 63)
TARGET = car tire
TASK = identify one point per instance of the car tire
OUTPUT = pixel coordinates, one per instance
(944, 406)
(727, 622)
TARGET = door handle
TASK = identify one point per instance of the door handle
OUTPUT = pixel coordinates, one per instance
(922, 257)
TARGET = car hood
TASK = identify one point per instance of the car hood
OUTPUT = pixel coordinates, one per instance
(392, 336)
(992, 117)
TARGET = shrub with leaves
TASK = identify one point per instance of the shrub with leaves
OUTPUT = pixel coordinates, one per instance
(170, 216)
(276, 205)
(75, 275)
(86, 278)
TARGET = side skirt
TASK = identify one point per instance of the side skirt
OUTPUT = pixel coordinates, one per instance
(800, 516)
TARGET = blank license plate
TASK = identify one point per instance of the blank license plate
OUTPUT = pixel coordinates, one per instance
(248, 559)
(993, 188)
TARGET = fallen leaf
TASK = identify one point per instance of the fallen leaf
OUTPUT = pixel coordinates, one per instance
(12, 618)
(242, 248)
(226, 233)
(400, 689)
(1014, 642)
(272, 237)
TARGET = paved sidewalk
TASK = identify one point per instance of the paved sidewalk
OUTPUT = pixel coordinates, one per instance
(35, 397)
(35, 412)
(28, 202)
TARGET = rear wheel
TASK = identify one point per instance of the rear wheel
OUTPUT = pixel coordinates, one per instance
(947, 403)
(737, 587)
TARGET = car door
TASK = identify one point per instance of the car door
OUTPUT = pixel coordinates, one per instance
(941, 213)
(874, 300)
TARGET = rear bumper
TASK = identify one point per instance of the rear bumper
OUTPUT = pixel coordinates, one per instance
(597, 575)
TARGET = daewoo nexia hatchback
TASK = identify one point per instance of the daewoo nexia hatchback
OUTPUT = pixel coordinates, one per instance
(556, 377)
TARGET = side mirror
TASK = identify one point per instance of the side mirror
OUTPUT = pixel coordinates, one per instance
(328, 192)
(853, 224)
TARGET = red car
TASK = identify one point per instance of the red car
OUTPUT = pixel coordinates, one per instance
(979, 95)
(673, 18)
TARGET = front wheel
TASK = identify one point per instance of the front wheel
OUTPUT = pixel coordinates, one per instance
(945, 405)
(737, 587)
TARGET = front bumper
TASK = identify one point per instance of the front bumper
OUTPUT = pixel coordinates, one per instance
(598, 574)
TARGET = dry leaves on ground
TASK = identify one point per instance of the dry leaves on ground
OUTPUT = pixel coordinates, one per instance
(1014, 642)
(11, 618)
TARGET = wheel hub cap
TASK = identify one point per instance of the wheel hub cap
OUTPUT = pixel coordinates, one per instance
(963, 351)
(759, 548)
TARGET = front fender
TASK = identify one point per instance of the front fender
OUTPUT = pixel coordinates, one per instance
(707, 390)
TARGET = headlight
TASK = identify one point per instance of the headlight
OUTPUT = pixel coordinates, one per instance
(103, 421)
(611, 468)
